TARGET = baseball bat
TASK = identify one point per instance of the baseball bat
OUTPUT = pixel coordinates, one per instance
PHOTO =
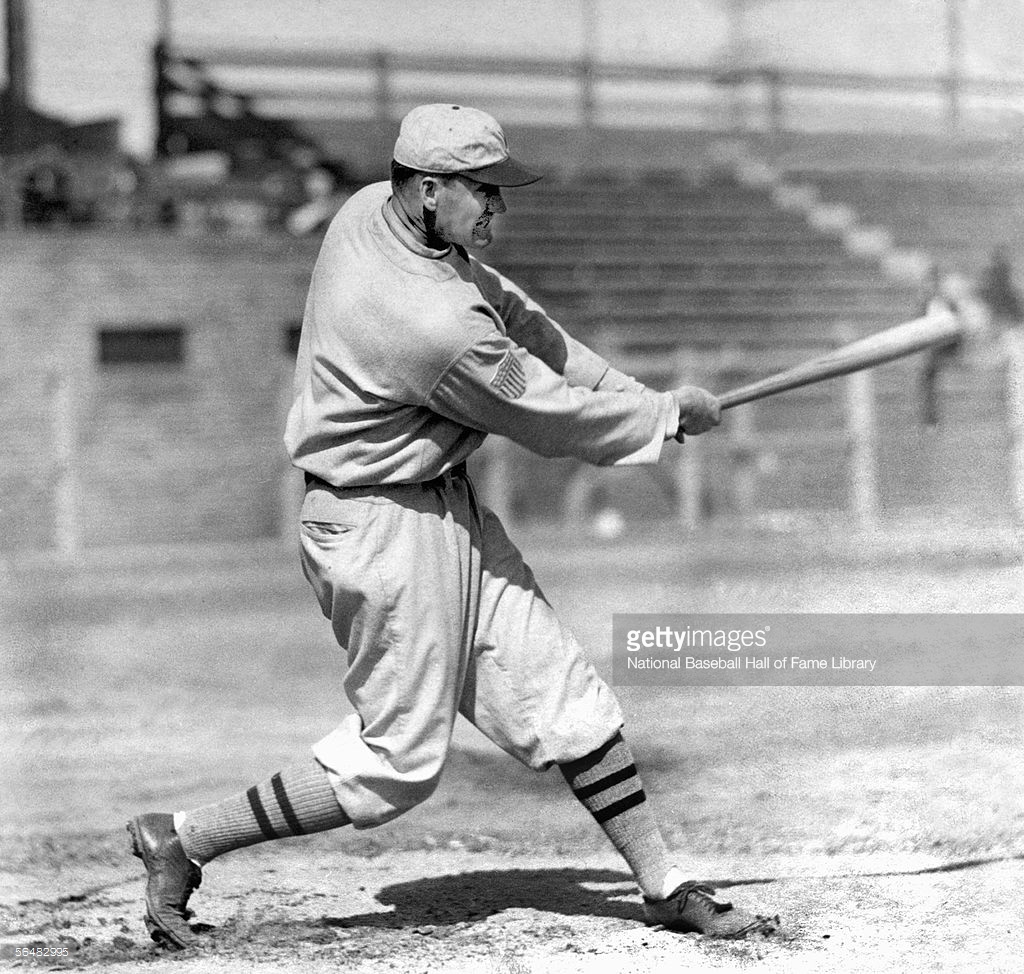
(936, 328)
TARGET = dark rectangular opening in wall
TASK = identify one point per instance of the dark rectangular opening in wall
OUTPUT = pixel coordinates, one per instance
(142, 345)
(292, 331)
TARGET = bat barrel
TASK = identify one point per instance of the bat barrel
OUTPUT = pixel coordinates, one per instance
(938, 328)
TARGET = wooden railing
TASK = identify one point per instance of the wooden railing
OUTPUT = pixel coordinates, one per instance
(381, 84)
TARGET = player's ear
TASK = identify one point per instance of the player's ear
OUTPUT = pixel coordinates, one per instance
(428, 187)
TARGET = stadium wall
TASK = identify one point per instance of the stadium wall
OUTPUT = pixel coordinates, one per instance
(164, 450)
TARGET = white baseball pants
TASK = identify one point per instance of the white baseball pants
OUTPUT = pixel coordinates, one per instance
(439, 615)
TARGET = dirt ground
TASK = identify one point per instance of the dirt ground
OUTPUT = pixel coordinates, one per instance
(884, 824)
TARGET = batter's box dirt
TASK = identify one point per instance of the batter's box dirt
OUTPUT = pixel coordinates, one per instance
(459, 912)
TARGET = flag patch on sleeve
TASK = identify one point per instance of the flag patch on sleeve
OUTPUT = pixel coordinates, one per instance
(510, 377)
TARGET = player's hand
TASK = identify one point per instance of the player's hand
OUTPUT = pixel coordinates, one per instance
(699, 411)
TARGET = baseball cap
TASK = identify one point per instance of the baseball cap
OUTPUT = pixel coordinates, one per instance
(455, 139)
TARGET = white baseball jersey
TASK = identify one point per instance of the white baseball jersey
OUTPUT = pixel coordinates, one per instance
(409, 356)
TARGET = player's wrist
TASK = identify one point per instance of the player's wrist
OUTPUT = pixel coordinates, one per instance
(672, 416)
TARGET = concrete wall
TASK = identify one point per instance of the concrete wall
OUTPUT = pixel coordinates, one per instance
(156, 452)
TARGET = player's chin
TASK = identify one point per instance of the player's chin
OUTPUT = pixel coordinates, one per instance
(481, 235)
(479, 240)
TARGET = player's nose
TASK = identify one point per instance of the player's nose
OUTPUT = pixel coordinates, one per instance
(497, 204)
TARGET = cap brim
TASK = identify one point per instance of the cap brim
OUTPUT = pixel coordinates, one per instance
(506, 173)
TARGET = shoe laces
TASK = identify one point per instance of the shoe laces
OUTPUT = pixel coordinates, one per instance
(703, 893)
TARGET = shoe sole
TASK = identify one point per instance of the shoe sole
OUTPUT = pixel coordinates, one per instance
(159, 932)
(765, 926)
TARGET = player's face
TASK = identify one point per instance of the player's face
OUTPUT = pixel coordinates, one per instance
(464, 212)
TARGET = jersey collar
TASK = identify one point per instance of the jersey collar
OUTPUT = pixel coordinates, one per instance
(406, 237)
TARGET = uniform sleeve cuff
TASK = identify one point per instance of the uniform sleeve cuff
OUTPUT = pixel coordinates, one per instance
(671, 416)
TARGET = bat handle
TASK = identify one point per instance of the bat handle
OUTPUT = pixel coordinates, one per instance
(735, 397)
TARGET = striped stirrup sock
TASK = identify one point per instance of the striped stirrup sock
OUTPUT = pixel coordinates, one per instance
(296, 801)
(608, 785)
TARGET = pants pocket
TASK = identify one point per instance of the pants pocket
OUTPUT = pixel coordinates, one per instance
(324, 532)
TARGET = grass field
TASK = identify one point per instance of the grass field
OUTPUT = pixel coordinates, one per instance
(883, 823)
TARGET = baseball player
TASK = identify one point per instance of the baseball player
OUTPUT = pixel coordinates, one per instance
(411, 351)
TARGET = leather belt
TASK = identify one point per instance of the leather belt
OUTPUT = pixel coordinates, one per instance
(445, 479)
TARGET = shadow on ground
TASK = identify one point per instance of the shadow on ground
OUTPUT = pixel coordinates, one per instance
(474, 896)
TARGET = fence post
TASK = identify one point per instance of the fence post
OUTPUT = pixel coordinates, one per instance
(587, 112)
(954, 42)
(382, 102)
(1014, 344)
(688, 473)
(776, 107)
(743, 449)
(67, 535)
(291, 484)
(10, 215)
(860, 417)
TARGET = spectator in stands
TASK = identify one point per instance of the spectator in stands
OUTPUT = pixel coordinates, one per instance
(937, 358)
(974, 348)
(45, 197)
(999, 294)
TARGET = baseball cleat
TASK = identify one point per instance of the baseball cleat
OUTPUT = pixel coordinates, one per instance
(691, 908)
(172, 877)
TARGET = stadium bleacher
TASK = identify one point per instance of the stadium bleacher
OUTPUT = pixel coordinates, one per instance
(716, 257)
(956, 218)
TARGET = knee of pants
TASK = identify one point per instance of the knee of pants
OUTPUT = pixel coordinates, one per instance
(377, 784)
(413, 791)
(372, 802)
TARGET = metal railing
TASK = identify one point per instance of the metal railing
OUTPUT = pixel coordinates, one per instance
(584, 92)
